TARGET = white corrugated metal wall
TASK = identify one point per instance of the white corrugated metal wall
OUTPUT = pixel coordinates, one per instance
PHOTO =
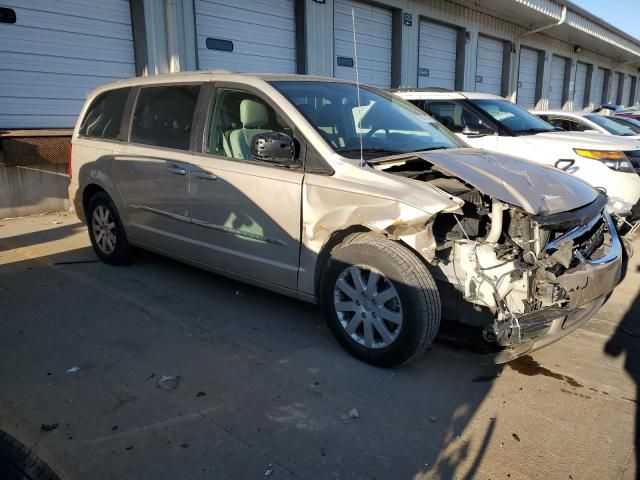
(373, 38)
(239, 35)
(272, 47)
(56, 53)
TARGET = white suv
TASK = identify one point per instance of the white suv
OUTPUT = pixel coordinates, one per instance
(493, 123)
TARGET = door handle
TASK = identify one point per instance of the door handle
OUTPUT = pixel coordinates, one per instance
(176, 170)
(206, 176)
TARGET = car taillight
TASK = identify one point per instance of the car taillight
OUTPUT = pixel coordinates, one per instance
(69, 169)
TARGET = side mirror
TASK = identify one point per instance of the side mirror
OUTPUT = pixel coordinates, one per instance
(477, 133)
(273, 147)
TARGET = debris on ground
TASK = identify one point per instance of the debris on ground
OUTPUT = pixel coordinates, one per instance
(49, 427)
(73, 370)
(168, 382)
(515, 437)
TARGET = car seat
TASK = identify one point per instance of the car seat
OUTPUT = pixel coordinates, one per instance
(255, 119)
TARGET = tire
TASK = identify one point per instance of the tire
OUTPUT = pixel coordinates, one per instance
(416, 302)
(103, 222)
(19, 463)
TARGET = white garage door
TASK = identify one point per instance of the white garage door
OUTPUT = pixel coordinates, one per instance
(489, 59)
(527, 78)
(437, 55)
(556, 84)
(598, 88)
(246, 35)
(613, 91)
(373, 36)
(55, 54)
(580, 86)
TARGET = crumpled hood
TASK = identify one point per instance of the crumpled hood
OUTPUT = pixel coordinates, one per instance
(537, 189)
(596, 141)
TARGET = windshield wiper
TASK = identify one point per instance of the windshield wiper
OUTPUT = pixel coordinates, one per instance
(537, 130)
(429, 149)
(369, 151)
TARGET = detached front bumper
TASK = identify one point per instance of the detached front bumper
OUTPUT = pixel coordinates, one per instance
(587, 285)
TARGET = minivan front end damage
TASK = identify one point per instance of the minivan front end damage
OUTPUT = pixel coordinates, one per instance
(528, 277)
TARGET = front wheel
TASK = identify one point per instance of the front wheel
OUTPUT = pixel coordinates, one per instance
(380, 301)
(107, 235)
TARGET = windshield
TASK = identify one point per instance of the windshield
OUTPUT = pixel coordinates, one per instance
(614, 126)
(513, 118)
(386, 124)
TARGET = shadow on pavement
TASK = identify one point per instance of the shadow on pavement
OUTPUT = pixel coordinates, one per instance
(259, 372)
(626, 340)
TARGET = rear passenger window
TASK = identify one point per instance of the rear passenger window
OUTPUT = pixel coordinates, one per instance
(164, 116)
(104, 116)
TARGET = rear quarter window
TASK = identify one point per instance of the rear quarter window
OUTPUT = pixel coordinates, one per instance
(104, 117)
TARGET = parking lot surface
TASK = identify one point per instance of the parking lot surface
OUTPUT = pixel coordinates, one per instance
(160, 371)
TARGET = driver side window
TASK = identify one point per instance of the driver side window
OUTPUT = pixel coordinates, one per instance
(236, 117)
(455, 116)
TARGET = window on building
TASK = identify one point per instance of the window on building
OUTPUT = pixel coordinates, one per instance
(104, 117)
(164, 116)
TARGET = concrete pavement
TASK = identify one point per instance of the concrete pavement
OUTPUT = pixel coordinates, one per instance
(264, 390)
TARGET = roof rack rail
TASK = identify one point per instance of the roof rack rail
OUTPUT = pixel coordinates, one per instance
(424, 89)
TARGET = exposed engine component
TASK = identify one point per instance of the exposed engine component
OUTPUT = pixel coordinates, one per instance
(527, 270)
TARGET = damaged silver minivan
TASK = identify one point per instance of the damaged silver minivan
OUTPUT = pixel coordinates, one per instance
(349, 197)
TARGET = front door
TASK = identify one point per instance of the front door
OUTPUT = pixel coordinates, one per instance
(152, 171)
(246, 214)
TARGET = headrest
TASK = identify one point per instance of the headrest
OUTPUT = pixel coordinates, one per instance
(253, 114)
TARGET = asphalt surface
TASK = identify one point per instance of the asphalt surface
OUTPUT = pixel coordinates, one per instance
(88, 353)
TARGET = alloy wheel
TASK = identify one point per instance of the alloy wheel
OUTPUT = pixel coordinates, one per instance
(368, 306)
(104, 229)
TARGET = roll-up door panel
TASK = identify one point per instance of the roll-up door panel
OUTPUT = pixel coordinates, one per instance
(489, 59)
(527, 78)
(55, 54)
(580, 86)
(246, 36)
(437, 55)
(374, 40)
(598, 87)
(556, 84)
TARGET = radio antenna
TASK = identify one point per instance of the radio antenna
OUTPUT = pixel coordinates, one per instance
(355, 55)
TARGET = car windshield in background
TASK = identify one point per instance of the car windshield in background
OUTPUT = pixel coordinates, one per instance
(515, 119)
(386, 124)
(614, 126)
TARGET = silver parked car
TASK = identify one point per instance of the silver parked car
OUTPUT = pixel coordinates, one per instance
(351, 198)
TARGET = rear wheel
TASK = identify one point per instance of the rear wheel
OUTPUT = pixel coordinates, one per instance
(107, 235)
(380, 301)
